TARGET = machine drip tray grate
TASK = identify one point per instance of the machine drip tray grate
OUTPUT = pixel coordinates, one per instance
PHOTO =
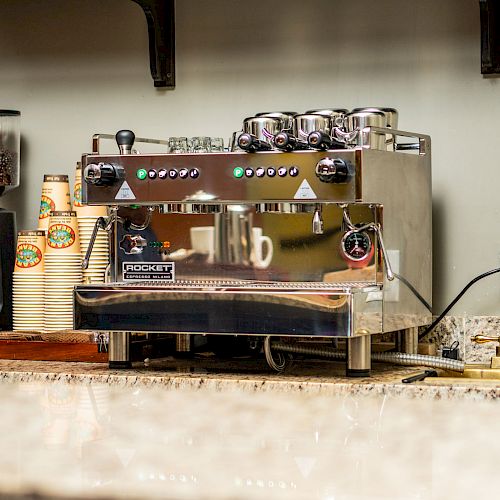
(240, 285)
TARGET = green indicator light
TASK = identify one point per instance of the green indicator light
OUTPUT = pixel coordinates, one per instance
(141, 174)
(238, 172)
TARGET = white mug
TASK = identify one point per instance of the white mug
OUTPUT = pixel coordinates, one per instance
(259, 241)
(202, 241)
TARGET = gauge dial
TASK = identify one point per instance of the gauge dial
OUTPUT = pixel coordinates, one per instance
(356, 247)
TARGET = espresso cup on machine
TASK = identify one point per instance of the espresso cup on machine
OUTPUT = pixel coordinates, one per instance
(258, 133)
(391, 121)
(351, 129)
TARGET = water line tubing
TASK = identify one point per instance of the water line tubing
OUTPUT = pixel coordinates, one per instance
(397, 358)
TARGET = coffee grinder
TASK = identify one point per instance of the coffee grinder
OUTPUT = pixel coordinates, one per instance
(9, 179)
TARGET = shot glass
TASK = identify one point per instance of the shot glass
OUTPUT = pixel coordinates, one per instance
(177, 145)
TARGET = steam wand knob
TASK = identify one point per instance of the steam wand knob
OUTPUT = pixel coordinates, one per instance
(125, 140)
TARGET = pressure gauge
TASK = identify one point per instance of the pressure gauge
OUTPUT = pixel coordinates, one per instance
(356, 248)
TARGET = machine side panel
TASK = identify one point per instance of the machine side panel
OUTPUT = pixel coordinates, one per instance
(402, 184)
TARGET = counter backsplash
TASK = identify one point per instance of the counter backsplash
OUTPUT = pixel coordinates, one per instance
(462, 329)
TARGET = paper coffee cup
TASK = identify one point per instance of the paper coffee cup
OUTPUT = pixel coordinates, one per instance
(77, 189)
(55, 197)
(29, 252)
(62, 234)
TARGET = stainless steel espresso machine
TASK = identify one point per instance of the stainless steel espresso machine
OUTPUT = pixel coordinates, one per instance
(318, 228)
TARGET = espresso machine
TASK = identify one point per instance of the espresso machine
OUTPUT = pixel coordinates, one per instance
(313, 227)
(9, 179)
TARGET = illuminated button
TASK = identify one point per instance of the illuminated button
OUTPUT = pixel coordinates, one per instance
(238, 172)
(141, 174)
(249, 172)
(194, 173)
(293, 171)
(152, 173)
(260, 172)
(162, 174)
(271, 172)
(172, 173)
(282, 171)
(183, 173)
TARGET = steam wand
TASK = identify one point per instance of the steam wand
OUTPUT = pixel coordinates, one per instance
(106, 223)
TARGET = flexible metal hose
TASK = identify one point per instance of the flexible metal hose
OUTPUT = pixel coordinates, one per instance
(397, 358)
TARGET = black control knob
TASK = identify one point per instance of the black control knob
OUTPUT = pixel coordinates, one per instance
(287, 142)
(320, 140)
(250, 143)
(333, 170)
(100, 174)
(125, 140)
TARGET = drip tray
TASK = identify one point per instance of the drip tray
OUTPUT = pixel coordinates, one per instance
(308, 309)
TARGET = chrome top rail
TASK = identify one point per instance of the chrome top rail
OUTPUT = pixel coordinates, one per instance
(96, 139)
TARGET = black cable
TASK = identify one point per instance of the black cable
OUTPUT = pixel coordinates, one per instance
(455, 300)
(414, 290)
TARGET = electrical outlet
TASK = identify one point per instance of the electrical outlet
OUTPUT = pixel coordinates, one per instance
(391, 292)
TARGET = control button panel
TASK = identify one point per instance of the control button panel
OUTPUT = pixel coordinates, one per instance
(238, 172)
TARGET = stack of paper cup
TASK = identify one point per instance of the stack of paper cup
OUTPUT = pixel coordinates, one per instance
(55, 197)
(28, 281)
(63, 270)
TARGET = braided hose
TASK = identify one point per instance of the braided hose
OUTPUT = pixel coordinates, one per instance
(397, 358)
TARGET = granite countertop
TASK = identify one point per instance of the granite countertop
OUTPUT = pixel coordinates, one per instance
(250, 376)
(92, 433)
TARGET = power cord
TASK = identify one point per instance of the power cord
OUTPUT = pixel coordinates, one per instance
(455, 300)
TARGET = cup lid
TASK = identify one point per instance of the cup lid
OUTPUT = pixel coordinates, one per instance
(62, 214)
(55, 178)
(31, 233)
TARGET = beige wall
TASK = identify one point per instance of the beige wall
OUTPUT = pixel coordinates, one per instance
(74, 67)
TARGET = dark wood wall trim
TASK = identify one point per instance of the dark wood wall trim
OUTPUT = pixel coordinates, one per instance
(160, 16)
(490, 36)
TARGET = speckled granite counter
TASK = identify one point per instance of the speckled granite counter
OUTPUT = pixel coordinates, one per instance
(318, 377)
(325, 438)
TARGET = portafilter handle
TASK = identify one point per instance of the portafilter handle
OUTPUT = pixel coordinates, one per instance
(125, 140)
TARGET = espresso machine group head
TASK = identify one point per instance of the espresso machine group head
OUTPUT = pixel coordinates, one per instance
(305, 243)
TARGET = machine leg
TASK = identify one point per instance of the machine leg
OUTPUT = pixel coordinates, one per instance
(410, 340)
(183, 344)
(359, 356)
(119, 350)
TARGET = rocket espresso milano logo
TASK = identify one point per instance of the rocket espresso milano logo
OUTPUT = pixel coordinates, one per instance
(60, 236)
(47, 205)
(28, 255)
